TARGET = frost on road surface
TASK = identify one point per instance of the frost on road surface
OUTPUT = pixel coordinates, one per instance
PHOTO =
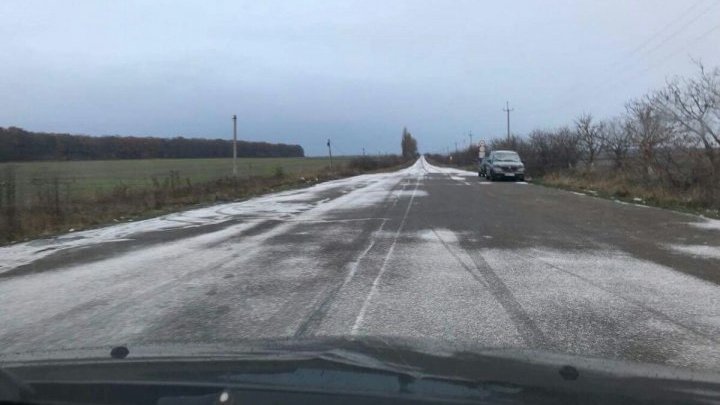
(421, 253)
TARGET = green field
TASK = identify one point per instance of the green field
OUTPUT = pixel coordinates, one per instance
(85, 178)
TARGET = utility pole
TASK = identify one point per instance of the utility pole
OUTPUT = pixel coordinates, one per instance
(456, 147)
(329, 152)
(507, 110)
(470, 135)
(363, 151)
(234, 145)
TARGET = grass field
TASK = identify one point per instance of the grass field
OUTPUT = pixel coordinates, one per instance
(85, 178)
(46, 198)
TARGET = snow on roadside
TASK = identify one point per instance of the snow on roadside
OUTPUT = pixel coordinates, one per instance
(423, 167)
(713, 224)
(371, 189)
(704, 251)
(281, 204)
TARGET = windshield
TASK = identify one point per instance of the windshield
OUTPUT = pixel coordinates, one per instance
(188, 174)
(507, 157)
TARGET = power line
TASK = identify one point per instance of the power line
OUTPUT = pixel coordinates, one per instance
(668, 57)
(669, 37)
(329, 146)
(623, 64)
(507, 109)
(624, 78)
(665, 27)
(234, 119)
(679, 30)
(620, 69)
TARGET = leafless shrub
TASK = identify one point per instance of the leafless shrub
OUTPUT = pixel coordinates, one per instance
(589, 138)
(694, 105)
(648, 131)
(617, 141)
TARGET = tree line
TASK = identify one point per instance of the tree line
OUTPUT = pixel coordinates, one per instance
(17, 144)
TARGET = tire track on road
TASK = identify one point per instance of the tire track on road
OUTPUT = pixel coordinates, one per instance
(316, 316)
(211, 276)
(655, 312)
(483, 273)
(321, 308)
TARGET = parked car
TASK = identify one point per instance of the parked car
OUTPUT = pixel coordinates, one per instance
(502, 164)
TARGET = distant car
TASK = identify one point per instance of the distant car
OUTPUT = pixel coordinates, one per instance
(502, 164)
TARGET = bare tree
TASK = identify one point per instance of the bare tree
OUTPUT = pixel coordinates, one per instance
(566, 143)
(589, 137)
(648, 131)
(542, 155)
(617, 141)
(694, 105)
(408, 145)
(682, 164)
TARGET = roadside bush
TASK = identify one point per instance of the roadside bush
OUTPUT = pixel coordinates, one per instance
(279, 172)
(466, 158)
(370, 163)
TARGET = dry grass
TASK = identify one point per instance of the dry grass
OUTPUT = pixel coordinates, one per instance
(629, 188)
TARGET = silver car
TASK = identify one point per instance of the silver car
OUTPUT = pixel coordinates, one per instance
(502, 164)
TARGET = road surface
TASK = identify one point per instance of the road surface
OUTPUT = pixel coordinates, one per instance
(425, 252)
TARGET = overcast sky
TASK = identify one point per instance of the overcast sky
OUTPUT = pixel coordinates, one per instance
(353, 71)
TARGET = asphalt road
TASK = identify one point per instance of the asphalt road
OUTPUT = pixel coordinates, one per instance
(423, 253)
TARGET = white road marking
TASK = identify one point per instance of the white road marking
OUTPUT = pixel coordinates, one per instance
(354, 265)
(373, 289)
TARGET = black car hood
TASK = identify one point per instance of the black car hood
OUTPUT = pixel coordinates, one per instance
(412, 358)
